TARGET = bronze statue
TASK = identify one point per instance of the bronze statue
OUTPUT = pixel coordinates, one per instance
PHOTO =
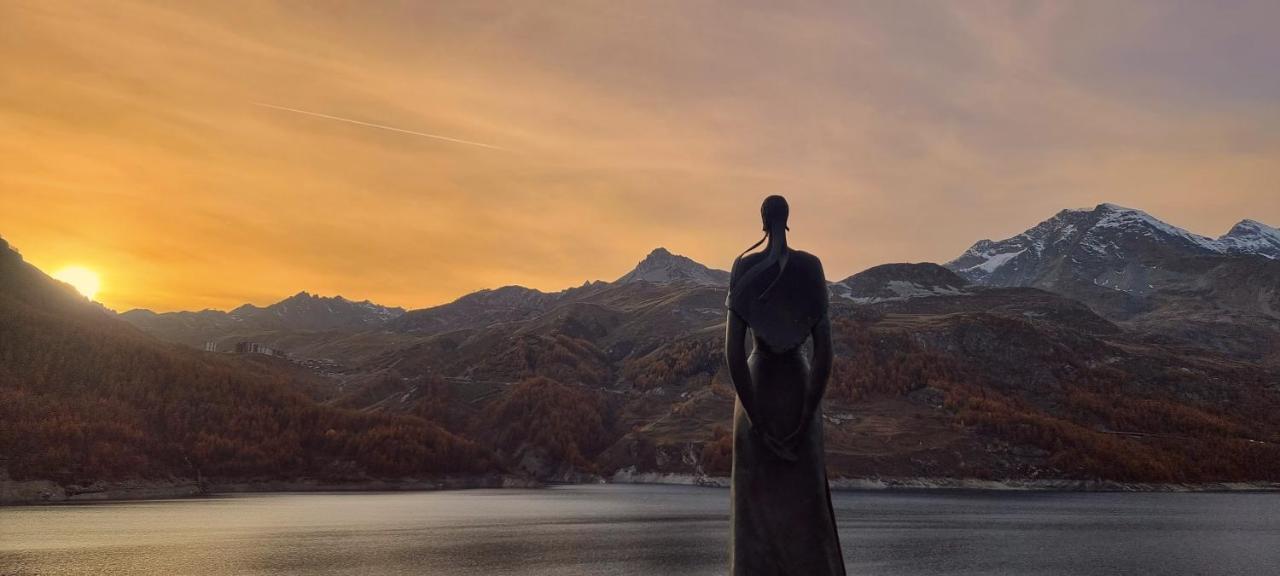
(782, 518)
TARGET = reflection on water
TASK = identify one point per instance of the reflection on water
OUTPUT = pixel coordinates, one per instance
(635, 530)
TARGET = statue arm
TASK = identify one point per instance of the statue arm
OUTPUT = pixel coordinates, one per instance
(820, 371)
(816, 387)
(735, 355)
(740, 374)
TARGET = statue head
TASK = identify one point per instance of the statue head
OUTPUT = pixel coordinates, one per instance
(774, 212)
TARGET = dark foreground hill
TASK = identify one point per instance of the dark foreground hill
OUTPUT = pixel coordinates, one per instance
(86, 397)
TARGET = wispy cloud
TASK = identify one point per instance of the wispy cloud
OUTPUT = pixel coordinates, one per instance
(380, 126)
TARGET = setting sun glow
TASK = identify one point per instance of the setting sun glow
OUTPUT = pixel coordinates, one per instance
(84, 280)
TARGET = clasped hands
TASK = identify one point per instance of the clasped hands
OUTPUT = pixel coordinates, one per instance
(786, 447)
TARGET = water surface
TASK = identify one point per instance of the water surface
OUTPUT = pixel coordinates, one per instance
(638, 530)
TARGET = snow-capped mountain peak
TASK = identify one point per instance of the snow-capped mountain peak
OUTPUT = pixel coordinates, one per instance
(1106, 234)
(1252, 237)
(663, 267)
(1121, 218)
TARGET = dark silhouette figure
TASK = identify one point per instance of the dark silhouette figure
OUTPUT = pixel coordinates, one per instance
(782, 517)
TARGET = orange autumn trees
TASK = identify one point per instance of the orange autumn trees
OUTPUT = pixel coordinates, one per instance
(672, 363)
(84, 397)
(565, 424)
(1097, 410)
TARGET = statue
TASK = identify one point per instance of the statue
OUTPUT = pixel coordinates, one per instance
(781, 515)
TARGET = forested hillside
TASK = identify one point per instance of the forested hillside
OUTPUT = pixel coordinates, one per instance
(996, 383)
(934, 377)
(85, 397)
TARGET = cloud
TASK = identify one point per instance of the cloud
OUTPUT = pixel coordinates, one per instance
(899, 131)
(378, 126)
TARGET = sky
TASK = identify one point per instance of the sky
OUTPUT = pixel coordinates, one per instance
(207, 154)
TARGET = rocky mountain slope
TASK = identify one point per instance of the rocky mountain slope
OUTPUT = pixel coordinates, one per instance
(1108, 243)
(1153, 277)
(888, 282)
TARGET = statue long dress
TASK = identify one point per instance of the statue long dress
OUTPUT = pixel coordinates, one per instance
(782, 518)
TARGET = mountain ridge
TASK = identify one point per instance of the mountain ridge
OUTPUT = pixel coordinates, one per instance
(1107, 230)
(934, 377)
(281, 307)
(661, 266)
(1152, 277)
(1124, 262)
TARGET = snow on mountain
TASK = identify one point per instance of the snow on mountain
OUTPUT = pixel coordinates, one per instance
(663, 267)
(995, 260)
(1105, 233)
(1121, 218)
(1251, 237)
(892, 282)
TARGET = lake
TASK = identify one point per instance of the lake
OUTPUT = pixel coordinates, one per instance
(638, 530)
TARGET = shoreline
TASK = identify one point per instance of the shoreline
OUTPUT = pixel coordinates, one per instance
(1045, 485)
(961, 484)
(36, 492)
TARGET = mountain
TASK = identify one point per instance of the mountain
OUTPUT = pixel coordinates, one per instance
(1070, 239)
(899, 282)
(941, 379)
(1073, 242)
(306, 324)
(1154, 277)
(511, 304)
(663, 267)
(481, 308)
(1251, 237)
(934, 376)
(302, 311)
(87, 398)
(305, 311)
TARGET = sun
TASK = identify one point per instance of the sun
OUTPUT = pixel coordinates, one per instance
(84, 280)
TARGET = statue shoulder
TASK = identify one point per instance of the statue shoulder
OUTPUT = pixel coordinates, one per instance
(741, 265)
(808, 262)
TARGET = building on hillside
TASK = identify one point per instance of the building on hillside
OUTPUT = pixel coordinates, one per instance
(256, 348)
(211, 346)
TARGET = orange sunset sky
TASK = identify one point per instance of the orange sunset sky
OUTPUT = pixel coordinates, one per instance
(198, 154)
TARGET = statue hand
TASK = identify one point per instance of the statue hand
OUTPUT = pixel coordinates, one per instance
(781, 449)
(793, 439)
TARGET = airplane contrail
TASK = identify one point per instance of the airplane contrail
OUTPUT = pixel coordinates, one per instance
(380, 126)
